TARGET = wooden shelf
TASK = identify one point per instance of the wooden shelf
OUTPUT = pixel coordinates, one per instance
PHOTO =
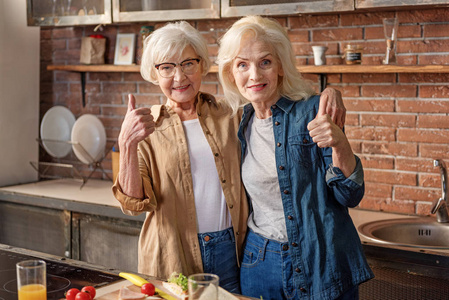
(330, 69)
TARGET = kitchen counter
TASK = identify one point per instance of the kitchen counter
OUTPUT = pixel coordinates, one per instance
(95, 197)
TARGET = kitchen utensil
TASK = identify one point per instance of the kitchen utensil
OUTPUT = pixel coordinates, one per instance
(55, 130)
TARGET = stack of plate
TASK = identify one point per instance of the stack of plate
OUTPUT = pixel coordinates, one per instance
(60, 133)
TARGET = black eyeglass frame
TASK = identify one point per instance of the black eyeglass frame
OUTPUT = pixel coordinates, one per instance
(180, 64)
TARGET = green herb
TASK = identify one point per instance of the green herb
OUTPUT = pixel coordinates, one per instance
(179, 279)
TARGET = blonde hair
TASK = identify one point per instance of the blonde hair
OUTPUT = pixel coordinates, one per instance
(169, 41)
(291, 85)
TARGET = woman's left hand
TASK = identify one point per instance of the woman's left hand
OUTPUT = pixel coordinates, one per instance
(324, 131)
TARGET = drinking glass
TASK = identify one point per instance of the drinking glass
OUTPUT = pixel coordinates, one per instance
(32, 280)
(391, 35)
(203, 286)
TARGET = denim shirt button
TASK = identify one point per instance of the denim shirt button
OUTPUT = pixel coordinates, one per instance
(273, 106)
(285, 247)
(303, 290)
(281, 168)
(298, 270)
(305, 141)
(207, 238)
(294, 244)
(231, 206)
(277, 123)
(290, 217)
(286, 192)
(278, 144)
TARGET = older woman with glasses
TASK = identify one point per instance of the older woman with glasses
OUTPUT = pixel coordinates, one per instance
(180, 164)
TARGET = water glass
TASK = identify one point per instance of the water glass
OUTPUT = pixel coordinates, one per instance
(203, 286)
(32, 280)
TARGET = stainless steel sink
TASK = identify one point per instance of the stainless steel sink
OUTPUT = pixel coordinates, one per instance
(408, 232)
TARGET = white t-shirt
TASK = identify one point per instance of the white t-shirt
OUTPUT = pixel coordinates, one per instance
(211, 210)
(259, 175)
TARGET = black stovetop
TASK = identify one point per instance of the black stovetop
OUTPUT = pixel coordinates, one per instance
(60, 276)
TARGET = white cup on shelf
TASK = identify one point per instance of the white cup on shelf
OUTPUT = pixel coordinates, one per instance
(319, 55)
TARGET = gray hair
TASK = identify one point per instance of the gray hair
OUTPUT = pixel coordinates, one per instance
(291, 85)
(169, 41)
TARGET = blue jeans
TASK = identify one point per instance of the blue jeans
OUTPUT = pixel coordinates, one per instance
(267, 271)
(219, 257)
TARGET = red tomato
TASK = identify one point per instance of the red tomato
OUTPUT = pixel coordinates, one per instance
(83, 296)
(71, 294)
(148, 289)
(89, 289)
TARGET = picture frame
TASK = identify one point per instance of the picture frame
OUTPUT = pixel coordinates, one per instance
(125, 49)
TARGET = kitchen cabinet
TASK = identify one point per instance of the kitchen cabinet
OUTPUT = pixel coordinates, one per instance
(108, 241)
(41, 229)
(361, 4)
(238, 8)
(164, 10)
(68, 12)
(105, 241)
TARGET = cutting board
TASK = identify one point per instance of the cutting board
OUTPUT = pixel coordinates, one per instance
(114, 294)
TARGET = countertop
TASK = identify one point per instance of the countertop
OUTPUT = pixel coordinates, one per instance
(95, 197)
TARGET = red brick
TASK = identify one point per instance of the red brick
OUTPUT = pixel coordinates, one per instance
(350, 91)
(360, 104)
(423, 77)
(114, 110)
(423, 106)
(135, 77)
(376, 134)
(355, 146)
(149, 88)
(377, 162)
(106, 98)
(366, 18)
(390, 148)
(104, 76)
(433, 59)
(67, 32)
(423, 208)
(430, 180)
(368, 78)
(310, 21)
(389, 120)
(433, 121)
(439, 91)
(380, 190)
(148, 100)
(119, 87)
(415, 193)
(352, 119)
(423, 15)
(434, 150)
(417, 164)
(423, 136)
(389, 91)
(340, 34)
(298, 36)
(380, 204)
(422, 46)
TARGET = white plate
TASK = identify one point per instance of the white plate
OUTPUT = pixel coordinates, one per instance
(88, 135)
(57, 125)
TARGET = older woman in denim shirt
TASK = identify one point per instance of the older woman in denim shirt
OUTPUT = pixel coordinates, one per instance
(298, 170)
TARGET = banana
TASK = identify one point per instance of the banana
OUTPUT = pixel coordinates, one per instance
(135, 279)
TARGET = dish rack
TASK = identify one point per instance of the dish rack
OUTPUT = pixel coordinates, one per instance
(67, 170)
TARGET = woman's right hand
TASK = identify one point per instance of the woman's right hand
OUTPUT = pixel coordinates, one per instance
(136, 126)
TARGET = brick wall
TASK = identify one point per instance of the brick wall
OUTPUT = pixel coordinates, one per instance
(396, 123)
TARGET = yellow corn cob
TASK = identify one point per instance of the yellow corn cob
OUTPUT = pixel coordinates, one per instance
(135, 279)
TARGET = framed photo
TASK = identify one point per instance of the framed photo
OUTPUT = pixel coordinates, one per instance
(124, 49)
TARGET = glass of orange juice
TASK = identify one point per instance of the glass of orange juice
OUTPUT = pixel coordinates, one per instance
(32, 280)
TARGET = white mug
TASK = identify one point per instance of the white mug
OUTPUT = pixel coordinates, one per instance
(319, 55)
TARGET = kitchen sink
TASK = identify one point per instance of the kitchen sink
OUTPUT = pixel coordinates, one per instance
(408, 232)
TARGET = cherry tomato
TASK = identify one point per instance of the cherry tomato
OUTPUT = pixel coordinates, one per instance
(71, 294)
(89, 289)
(148, 289)
(83, 296)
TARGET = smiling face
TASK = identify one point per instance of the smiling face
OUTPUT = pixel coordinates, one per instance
(255, 71)
(181, 88)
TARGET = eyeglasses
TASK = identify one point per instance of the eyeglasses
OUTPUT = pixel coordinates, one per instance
(188, 67)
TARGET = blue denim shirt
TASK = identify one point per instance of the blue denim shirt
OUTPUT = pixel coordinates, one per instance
(326, 251)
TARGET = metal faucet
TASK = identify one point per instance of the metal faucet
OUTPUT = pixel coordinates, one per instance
(441, 206)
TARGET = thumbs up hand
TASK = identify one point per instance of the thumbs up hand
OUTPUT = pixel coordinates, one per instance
(324, 131)
(137, 124)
